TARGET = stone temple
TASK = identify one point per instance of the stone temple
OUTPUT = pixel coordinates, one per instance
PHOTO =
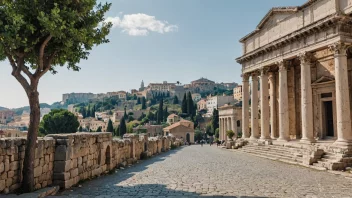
(302, 59)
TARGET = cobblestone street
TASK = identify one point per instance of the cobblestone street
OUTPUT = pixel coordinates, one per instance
(210, 171)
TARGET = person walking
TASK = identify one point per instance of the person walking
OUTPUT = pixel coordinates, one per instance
(201, 143)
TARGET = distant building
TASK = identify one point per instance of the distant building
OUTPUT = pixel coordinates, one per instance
(12, 133)
(6, 116)
(214, 102)
(196, 97)
(72, 98)
(202, 104)
(71, 108)
(142, 86)
(162, 87)
(237, 93)
(230, 118)
(183, 129)
(228, 86)
(119, 94)
(150, 130)
(173, 118)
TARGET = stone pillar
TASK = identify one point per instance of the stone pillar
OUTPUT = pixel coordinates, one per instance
(272, 105)
(306, 99)
(245, 106)
(264, 105)
(220, 128)
(228, 126)
(283, 103)
(254, 107)
(234, 126)
(343, 112)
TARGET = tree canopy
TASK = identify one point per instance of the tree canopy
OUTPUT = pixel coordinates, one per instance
(110, 127)
(59, 121)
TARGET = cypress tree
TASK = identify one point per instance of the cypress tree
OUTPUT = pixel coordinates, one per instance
(138, 101)
(166, 114)
(144, 105)
(160, 112)
(215, 120)
(110, 127)
(92, 111)
(99, 129)
(184, 104)
(84, 113)
(190, 106)
(122, 127)
(80, 129)
(125, 116)
(175, 101)
(116, 132)
(88, 112)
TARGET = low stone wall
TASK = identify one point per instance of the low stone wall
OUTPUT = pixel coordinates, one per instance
(66, 159)
(12, 151)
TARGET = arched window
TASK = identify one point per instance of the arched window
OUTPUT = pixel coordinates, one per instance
(238, 123)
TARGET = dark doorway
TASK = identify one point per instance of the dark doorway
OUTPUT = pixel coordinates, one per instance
(329, 119)
(188, 138)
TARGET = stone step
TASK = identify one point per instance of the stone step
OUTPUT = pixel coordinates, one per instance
(274, 156)
(274, 150)
(274, 153)
(270, 148)
(330, 165)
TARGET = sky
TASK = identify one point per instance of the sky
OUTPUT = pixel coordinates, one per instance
(155, 41)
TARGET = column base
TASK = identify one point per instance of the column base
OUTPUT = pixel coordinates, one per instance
(307, 141)
(343, 143)
(280, 139)
(265, 138)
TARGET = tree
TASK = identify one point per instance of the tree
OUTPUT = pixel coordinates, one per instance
(59, 121)
(190, 105)
(80, 129)
(88, 112)
(130, 118)
(166, 114)
(198, 135)
(175, 101)
(84, 112)
(160, 112)
(125, 114)
(141, 117)
(144, 105)
(38, 36)
(110, 127)
(99, 129)
(215, 119)
(230, 134)
(184, 104)
(138, 101)
(217, 133)
(122, 127)
(117, 131)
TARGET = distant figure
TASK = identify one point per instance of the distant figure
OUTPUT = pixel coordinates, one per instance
(218, 143)
(201, 142)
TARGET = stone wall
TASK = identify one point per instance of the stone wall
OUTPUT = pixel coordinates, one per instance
(66, 159)
(12, 151)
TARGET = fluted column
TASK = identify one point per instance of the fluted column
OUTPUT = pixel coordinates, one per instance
(264, 105)
(343, 113)
(283, 103)
(234, 126)
(272, 104)
(228, 125)
(220, 128)
(254, 107)
(306, 99)
(245, 106)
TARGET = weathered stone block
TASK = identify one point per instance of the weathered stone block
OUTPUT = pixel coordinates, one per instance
(10, 174)
(74, 172)
(62, 176)
(8, 182)
(62, 153)
(2, 167)
(38, 171)
(62, 166)
(2, 185)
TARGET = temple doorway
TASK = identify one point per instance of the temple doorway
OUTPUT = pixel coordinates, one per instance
(329, 119)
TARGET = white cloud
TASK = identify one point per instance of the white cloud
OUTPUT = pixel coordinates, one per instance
(141, 24)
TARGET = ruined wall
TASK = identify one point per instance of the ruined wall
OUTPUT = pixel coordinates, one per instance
(66, 159)
(12, 151)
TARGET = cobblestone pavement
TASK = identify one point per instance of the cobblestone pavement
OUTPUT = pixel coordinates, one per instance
(194, 171)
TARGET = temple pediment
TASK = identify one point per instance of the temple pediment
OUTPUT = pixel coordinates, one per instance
(323, 79)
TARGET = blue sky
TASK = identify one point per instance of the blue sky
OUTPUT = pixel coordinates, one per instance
(154, 41)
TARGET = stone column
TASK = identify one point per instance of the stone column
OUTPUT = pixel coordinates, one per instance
(254, 107)
(272, 105)
(245, 106)
(343, 112)
(234, 126)
(220, 128)
(306, 99)
(264, 105)
(228, 126)
(283, 103)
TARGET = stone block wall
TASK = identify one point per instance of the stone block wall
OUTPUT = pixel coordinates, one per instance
(80, 156)
(12, 151)
(66, 159)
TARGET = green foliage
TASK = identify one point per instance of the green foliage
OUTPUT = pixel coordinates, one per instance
(198, 135)
(184, 104)
(160, 116)
(99, 129)
(122, 127)
(230, 134)
(190, 106)
(138, 101)
(144, 103)
(166, 114)
(175, 100)
(117, 131)
(215, 119)
(110, 127)
(130, 118)
(217, 133)
(141, 117)
(80, 129)
(59, 121)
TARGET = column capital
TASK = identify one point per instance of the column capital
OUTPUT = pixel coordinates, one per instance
(271, 75)
(255, 74)
(283, 64)
(339, 48)
(245, 77)
(264, 71)
(305, 57)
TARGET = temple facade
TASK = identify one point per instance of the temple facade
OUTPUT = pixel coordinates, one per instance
(302, 59)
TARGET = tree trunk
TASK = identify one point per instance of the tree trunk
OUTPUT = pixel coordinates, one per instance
(28, 164)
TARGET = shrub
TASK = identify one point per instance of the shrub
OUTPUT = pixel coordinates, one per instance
(230, 134)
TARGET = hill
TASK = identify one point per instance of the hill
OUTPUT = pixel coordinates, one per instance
(3, 108)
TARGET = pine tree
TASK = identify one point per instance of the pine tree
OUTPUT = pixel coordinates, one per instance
(175, 101)
(144, 105)
(160, 112)
(110, 127)
(122, 127)
(190, 106)
(184, 104)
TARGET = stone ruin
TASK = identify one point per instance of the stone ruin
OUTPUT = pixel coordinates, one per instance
(66, 159)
